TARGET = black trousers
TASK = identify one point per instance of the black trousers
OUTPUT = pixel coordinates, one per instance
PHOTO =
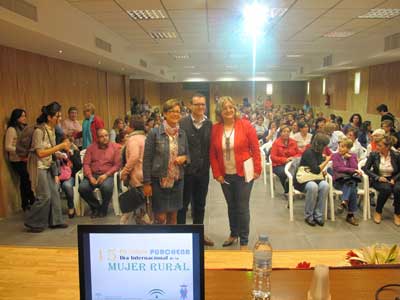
(25, 189)
(280, 172)
(385, 189)
(195, 191)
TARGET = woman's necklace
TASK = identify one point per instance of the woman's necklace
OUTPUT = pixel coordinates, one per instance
(228, 143)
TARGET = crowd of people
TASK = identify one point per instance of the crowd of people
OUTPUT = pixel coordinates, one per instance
(167, 157)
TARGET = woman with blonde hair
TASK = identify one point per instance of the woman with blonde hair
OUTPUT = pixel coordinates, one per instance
(116, 129)
(166, 152)
(234, 141)
(90, 125)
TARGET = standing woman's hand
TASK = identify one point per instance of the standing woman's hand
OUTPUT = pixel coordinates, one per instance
(147, 190)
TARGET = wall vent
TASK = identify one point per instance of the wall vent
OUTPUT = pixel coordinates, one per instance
(21, 8)
(143, 63)
(392, 42)
(102, 44)
(327, 61)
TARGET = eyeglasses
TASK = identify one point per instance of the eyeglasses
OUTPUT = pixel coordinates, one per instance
(199, 104)
(174, 111)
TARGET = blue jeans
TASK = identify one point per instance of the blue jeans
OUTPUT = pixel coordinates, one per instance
(316, 194)
(106, 190)
(349, 191)
(68, 188)
(237, 196)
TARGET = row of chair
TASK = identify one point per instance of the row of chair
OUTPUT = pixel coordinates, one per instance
(363, 192)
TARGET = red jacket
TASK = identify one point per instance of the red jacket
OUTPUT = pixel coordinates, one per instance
(246, 146)
(280, 152)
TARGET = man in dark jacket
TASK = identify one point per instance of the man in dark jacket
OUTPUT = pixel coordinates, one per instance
(198, 131)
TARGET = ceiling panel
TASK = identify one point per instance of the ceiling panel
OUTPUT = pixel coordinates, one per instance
(97, 6)
(390, 4)
(187, 15)
(357, 25)
(359, 3)
(315, 3)
(344, 14)
(188, 4)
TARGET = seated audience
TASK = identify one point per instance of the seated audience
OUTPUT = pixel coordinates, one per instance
(354, 122)
(376, 134)
(345, 165)
(320, 123)
(294, 129)
(15, 126)
(387, 126)
(339, 122)
(334, 135)
(165, 153)
(357, 149)
(69, 163)
(102, 159)
(364, 134)
(259, 127)
(383, 169)
(46, 210)
(283, 150)
(118, 126)
(303, 137)
(272, 132)
(316, 191)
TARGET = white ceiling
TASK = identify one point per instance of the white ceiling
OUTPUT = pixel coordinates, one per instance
(209, 31)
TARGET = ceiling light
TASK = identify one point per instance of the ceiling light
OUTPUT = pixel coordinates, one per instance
(180, 56)
(60, 51)
(195, 79)
(381, 13)
(196, 73)
(146, 14)
(255, 18)
(162, 35)
(231, 67)
(99, 62)
(338, 34)
(188, 67)
(228, 73)
(227, 79)
(259, 79)
(293, 55)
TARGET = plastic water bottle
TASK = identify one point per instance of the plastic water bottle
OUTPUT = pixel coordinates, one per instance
(262, 268)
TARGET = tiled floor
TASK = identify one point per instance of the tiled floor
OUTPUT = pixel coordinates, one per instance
(268, 216)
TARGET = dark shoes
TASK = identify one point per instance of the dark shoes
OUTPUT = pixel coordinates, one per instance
(230, 241)
(59, 226)
(310, 222)
(208, 241)
(33, 229)
(313, 222)
(352, 220)
(97, 214)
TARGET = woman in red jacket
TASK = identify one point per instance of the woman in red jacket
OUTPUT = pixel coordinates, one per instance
(233, 141)
(283, 150)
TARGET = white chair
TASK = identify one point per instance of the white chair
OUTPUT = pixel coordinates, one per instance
(80, 204)
(267, 164)
(293, 192)
(361, 192)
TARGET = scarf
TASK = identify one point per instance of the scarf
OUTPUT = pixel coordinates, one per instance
(86, 132)
(173, 169)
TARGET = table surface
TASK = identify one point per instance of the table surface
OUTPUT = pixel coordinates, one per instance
(51, 273)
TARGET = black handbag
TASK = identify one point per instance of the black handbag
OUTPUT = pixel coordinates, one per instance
(346, 178)
(131, 199)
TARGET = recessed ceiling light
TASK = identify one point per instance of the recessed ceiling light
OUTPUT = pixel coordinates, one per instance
(188, 67)
(294, 55)
(146, 14)
(196, 73)
(162, 35)
(195, 79)
(180, 56)
(231, 67)
(60, 51)
(338, 34)
(381, 13)
(228, 73)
